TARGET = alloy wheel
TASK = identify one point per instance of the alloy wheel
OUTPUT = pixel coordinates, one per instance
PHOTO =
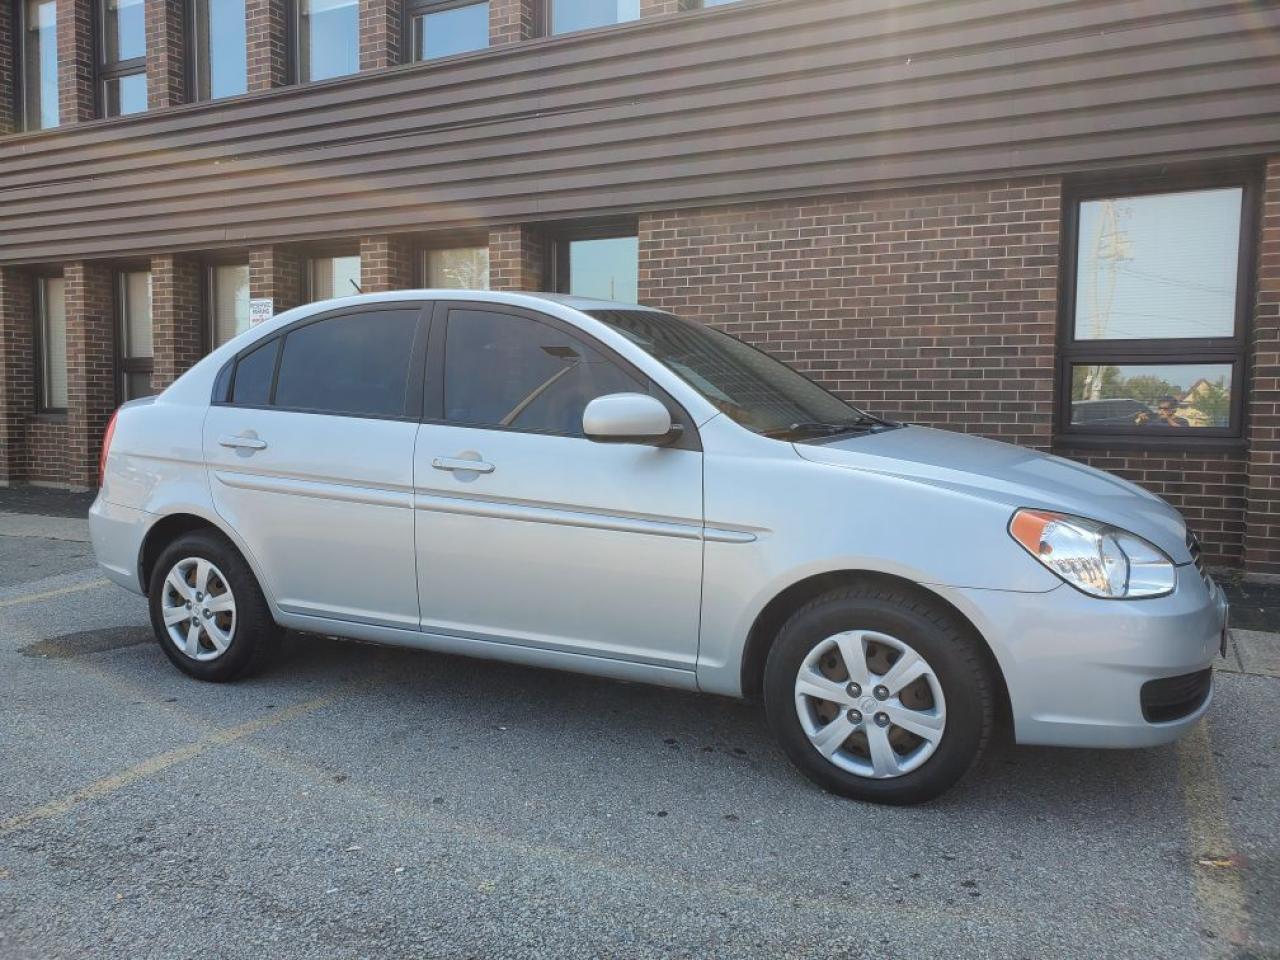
(870, 704)
(199, 609)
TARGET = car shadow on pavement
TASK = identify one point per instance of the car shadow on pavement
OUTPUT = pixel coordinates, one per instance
(559, 708)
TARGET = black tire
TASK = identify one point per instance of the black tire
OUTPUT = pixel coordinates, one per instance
(255, 632)
(936, 634)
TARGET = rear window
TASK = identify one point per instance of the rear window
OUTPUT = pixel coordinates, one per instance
(252, 384)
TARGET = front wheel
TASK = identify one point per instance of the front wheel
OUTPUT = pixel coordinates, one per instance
(207, 610)
(879, 694)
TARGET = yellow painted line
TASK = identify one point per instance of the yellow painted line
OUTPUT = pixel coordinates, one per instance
(1215, 865)
(116, 781)
(50, 594)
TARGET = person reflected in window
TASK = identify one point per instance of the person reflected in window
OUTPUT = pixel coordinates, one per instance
(1167, 413)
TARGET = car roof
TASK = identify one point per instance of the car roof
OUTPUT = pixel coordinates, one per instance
(530, 299)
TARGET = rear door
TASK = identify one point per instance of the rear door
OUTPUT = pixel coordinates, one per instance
(310, 457)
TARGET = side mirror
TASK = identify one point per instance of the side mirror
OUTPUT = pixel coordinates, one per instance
(628, 418)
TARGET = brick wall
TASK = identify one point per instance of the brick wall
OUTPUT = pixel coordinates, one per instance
(380, 27)
(1262, 536)
(17, 369)
(276, 272)
(1208, 488)
(8, 62)
(386, 263)
(266, 38)
(76, 96)
(517, 259)
(177, 317)
(166, 53)
(91, 384)
(511, 21)
(935, 306)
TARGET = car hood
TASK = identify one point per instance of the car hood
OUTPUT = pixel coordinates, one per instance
(1008, 474)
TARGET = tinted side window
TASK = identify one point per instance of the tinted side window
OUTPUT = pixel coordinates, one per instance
(354, 364)
(252, 384)
(508, 371)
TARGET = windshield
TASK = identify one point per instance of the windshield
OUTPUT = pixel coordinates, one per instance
(757, 391)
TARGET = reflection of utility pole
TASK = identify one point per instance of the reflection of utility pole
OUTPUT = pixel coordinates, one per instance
(1110, 249)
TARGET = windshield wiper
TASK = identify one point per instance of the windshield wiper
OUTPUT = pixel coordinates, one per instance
(821, 428)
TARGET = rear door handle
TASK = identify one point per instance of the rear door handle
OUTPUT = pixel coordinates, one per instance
(462, 466)
(243, 443)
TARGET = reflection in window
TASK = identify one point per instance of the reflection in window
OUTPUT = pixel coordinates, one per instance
(570, 15)
(508, 371)
(51, 306)
(219, 34)
(40, 60)
(125, 95)
(334, 277)
(228, 300)
(608, 269)
(449, 29)
(1158, 266)
(135, 334)
(356, 364)
(1152, 396)
(462, 268)
(328, 38)
(123, 49)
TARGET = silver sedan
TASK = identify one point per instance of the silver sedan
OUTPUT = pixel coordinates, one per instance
(606, 488)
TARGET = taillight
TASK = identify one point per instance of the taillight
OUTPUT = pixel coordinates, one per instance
(106, 445)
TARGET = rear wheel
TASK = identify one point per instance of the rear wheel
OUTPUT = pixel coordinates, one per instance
(207, 610)
(879, 694)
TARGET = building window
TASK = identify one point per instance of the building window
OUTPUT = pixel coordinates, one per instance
(39, 64)
(569, 15)
(604, 267)
(460, 268)
(219, 66)
(51, 312)
(329, 277)
(1156, 298)
(328, 38)
(122, 51)
(438, 28)
(134, 294)
(228, 300)
(716, 3)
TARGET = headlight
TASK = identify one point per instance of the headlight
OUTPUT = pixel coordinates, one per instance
(1093, 557)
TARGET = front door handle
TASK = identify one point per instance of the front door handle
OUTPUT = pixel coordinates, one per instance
(459, 465)
(243, 443)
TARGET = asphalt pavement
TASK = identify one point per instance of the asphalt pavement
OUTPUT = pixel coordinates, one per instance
(358, 801)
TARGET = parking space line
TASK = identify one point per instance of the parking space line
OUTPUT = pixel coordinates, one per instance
(50, 594)
(1215, 865)
(116, 781)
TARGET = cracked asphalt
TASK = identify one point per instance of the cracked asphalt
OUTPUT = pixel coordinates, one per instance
(358, 801)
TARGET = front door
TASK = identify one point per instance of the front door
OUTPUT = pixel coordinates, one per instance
(529, 533)
(311, 462)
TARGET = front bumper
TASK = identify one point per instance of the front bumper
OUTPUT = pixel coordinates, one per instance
(1075, 665)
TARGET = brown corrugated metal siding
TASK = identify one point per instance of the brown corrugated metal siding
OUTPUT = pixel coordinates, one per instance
(771, 98)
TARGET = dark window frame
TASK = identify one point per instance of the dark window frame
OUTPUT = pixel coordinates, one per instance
(1233, 350)
(104, 71)
(126, 365)
(191, 37)
(21, 79)
(417, 8)
(558, 241)
(433, 400)
(546, 13)
(224, 383)
(208, 297)
(38, 317)
(324, 251)
(294, 39)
